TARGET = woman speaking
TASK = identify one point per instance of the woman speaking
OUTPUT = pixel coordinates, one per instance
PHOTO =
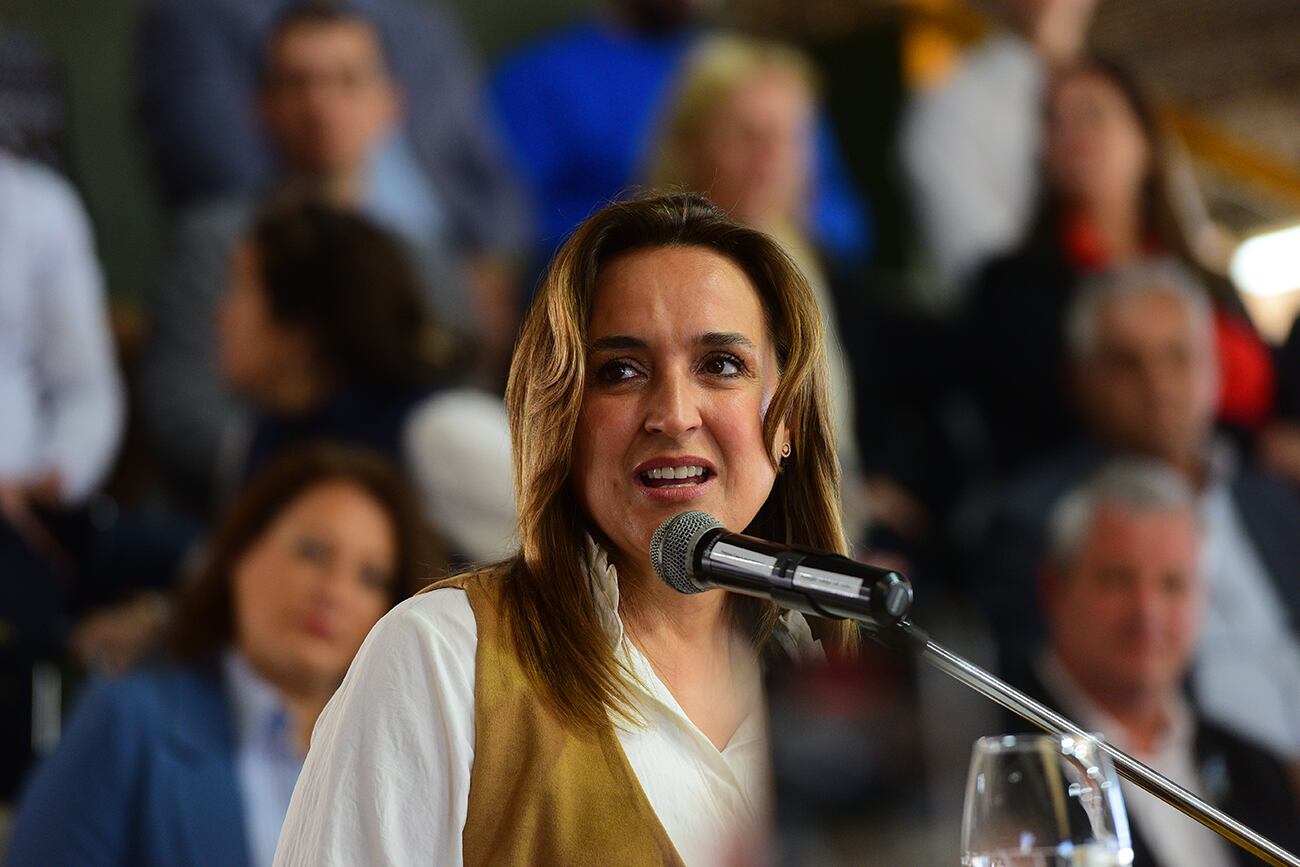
(565, 706)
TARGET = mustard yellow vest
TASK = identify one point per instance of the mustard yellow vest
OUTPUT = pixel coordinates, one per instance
(539, 792)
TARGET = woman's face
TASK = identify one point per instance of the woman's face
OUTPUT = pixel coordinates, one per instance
(253, 348)
(755, 154)
(680, 371)
(1097, 151)
(313, 584)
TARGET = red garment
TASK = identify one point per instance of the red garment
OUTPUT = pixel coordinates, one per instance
(1085, 248)
(1247, 378)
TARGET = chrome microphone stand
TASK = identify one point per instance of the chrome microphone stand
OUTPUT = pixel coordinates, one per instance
(904, 635)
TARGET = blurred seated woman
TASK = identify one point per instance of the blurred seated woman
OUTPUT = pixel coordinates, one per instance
(565, 706)
(1108, 198)
(193, 762)
(323, 332)
(740, 130)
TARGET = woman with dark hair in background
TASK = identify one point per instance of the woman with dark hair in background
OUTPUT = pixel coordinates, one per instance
(322, 330)
(193, 762)
(1107, 199)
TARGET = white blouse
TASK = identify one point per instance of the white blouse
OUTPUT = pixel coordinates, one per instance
(387, 778)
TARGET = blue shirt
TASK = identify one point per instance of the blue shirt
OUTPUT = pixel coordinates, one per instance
(267, 759)
(400, 197)
(579, 109)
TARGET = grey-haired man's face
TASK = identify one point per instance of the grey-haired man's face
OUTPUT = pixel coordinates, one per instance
(1149, 383)
(1125, 614)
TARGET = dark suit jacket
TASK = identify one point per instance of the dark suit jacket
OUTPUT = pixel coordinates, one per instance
(1240, 778)
(145, 775)
(1006, 579)
(1013, 341)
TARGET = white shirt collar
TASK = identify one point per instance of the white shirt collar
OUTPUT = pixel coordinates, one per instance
(1171, 837)
(1178, 736)
(1222, 463)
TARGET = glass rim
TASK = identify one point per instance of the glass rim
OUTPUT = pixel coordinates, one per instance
(1033, 741)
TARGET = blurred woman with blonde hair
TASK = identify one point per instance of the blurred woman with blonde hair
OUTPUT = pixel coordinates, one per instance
(740, 129)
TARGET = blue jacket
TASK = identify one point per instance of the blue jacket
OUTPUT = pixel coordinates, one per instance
(145, 774)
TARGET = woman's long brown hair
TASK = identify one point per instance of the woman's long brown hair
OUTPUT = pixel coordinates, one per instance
(547, 589)
(1160, 217)
(205, 611)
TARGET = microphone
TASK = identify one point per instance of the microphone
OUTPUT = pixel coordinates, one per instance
(692, 552)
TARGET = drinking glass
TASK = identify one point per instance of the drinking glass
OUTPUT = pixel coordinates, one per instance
(1043, 801)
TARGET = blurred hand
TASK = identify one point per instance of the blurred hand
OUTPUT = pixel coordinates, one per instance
(1058, 29)
(47, 489)
(17, 502)
(14, 506)
(881, 559)
(497, 311)
(109, 641)
(1279, 447)
(894, 507)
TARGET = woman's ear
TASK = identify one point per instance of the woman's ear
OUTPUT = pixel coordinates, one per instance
(782, 447)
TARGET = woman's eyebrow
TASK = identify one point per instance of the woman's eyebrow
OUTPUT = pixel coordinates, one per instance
(711, 339)
(616, 341)
(725, 338)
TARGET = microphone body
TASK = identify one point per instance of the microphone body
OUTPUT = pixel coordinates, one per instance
(692, 552)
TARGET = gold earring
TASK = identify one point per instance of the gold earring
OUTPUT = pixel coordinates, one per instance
(785, 451)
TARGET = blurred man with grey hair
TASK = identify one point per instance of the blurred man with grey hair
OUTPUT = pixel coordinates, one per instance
(1123, 601)
(1144, 375)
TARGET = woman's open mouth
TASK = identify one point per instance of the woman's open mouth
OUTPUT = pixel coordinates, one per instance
(674, 477)
(687, 476)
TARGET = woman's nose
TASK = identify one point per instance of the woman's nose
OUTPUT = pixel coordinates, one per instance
(673, 407)
(333, 584)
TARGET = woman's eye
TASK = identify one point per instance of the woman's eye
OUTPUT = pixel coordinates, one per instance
(723, 365)
(313, 550)
(375, 578)
(616, 371)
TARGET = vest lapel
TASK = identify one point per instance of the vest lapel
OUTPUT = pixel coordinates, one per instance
(541, 793)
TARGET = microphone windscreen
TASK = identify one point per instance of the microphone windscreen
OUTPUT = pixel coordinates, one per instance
(673, 545)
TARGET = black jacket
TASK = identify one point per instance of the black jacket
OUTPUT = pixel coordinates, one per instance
(1013, 341)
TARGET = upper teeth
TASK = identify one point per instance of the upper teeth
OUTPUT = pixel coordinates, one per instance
(674, 472)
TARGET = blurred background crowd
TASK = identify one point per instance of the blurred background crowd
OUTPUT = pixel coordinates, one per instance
(261, 267)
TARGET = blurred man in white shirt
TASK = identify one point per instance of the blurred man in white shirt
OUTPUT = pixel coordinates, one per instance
(61, 420)
(60, 393)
